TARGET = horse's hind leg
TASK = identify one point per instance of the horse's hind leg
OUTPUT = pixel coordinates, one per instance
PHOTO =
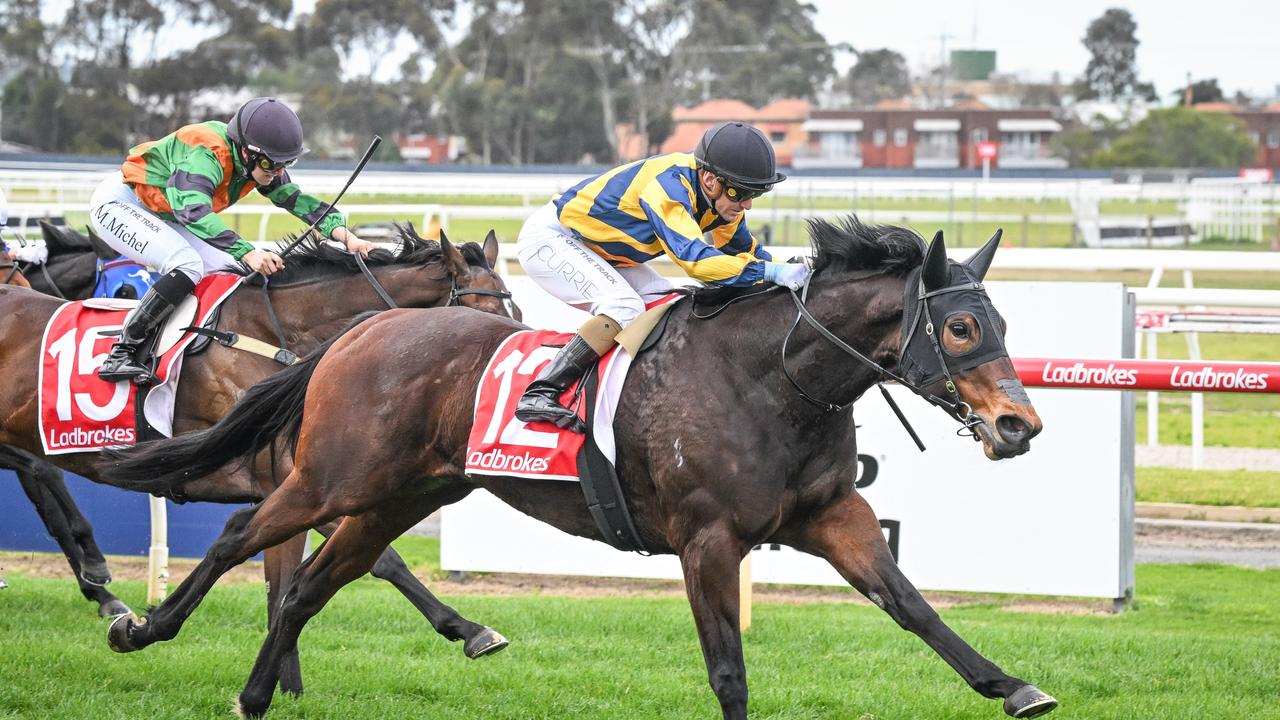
(279, 564)
(848, 535)
(285, 513)
(351, 552)
(711, 562)
(480, 640)
(41, 483)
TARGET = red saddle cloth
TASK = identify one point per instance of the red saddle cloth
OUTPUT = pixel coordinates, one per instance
(500, 444)
(80, 412)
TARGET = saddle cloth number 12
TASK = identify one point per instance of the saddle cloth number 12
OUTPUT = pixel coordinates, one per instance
(517, 432)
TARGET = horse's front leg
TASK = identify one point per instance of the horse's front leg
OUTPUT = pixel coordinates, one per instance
(41, 483)
(93, 565)
(848, 535)
(711, 561)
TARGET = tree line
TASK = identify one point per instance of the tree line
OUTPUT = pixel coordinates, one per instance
(523, 81)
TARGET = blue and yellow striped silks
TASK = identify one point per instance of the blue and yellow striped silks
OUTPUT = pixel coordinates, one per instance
(644, 209)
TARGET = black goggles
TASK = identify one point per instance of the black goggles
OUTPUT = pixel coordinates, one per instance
(259, 159)
(739, 194)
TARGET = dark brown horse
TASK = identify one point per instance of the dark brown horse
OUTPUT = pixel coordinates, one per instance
(319, 292)
(754, 460)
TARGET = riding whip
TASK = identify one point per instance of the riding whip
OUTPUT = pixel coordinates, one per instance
(377, 139)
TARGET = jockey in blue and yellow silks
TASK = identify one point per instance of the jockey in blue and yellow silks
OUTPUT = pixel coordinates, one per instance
(588, 247)
(637, 212)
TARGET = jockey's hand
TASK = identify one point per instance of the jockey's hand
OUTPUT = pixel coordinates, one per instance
(263, 262)
(788, 275)
(354, 244)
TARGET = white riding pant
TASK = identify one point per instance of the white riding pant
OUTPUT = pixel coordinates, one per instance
(567, 269)
(133, 230)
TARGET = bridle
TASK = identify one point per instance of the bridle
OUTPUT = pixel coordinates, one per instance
(455, 293)
(956, 407)
(15, 268)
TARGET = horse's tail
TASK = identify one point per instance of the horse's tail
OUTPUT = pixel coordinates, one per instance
(269, 409)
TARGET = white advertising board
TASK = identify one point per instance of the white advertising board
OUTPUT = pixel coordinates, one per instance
(1056, 521)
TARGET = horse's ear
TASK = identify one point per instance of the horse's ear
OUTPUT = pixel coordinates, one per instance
(979, 262)
(453, 260)
(52, 238)
(936, 274)
(101, 249)
(491, 249)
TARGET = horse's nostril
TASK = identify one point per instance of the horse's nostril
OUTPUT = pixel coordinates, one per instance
(1012, 428)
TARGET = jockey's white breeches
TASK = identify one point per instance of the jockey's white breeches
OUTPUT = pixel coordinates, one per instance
(133, 230)
(567, 269)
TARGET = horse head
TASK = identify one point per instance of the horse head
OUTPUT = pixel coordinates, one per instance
(474, 277)
(953, 352)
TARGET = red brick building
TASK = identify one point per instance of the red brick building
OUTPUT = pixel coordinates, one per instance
(894, 137)
(781, 121)
(1263, 126)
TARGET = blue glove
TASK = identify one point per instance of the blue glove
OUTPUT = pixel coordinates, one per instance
(789, 275)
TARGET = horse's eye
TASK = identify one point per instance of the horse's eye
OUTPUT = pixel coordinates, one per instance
(960, 330)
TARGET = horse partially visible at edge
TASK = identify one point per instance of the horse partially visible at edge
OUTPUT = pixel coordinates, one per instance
(319, 293)
(70, 272)
(736, 430)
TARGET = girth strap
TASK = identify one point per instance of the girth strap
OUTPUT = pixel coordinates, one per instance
(247, 344)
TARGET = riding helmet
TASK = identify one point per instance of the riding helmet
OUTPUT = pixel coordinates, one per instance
(740, 154)
(268, 126)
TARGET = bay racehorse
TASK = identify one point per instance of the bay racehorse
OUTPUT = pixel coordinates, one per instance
(70, 272)
(318, 293)
(736, 430)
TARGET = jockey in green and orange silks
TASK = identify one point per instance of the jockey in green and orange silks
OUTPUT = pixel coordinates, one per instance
(161, 211)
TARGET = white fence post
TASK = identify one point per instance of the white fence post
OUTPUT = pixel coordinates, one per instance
(1197, 399)
(158, 556)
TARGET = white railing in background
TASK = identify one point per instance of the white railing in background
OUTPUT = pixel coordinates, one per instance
(535, 188)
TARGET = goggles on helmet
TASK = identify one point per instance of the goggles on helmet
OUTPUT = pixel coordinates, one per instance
(259, 159)
(739, 194)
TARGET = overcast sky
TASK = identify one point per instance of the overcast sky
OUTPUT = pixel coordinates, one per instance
(1236, 41)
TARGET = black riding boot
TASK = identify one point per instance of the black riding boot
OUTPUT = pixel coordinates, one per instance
(541, 402)
(123, 362)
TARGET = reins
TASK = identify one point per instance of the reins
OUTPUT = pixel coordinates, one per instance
(956, 407)
(44, 270)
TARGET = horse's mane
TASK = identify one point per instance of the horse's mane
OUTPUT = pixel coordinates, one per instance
(851, 244)
(847, 244)
(315, 259)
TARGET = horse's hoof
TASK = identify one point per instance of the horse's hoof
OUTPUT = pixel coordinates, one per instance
(118, 634)
(96, 574)
(113, 609)
(485, 642)
(248, 708)
(1029, 701)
